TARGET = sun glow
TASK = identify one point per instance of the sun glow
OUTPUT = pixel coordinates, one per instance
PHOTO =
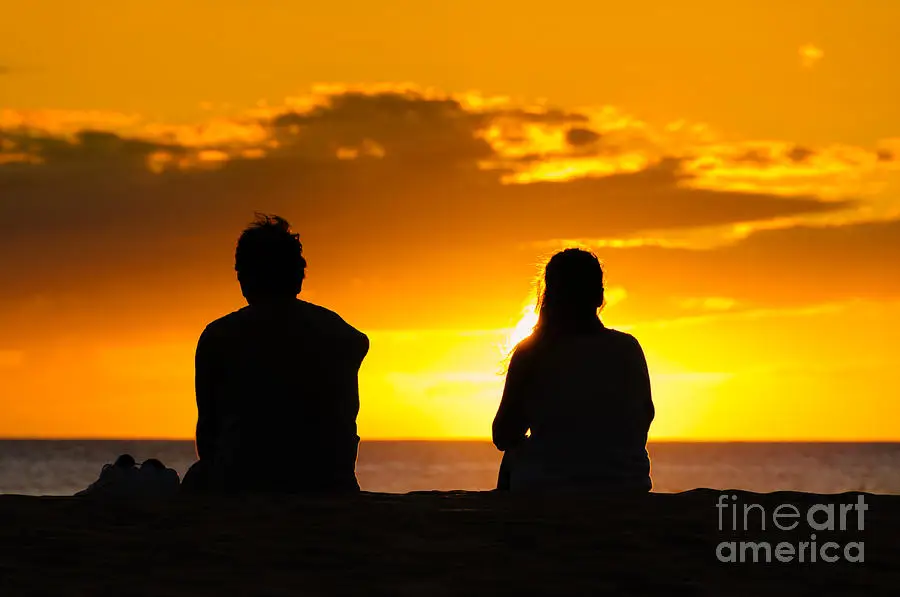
(522, 329)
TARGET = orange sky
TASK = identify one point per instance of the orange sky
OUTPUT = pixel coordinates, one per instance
(736, 166)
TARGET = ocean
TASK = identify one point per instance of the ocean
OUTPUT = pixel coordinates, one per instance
(62, 467)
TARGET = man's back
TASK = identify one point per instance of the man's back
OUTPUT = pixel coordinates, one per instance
(277, 398)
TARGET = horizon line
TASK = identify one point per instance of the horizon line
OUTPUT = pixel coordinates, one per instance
(667, 440)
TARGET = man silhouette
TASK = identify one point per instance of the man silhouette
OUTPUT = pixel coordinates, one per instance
(276, 382)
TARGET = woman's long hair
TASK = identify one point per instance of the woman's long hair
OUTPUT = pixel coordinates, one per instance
(569, 298)
(570, 295)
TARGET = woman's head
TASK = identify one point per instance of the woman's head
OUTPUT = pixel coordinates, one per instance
(571, 291)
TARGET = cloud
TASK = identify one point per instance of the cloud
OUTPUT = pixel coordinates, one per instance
(790, 267)
(707, 303)
(707, 316)
(408, 128)
(578, 137)
(810, 55)
(63, 122)
(527, 143)
(407, 139)
(386, 187)
(832, 172)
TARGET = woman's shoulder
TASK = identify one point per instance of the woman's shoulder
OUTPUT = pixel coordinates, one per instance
(619, 336)
(522, 351)
(624, 343)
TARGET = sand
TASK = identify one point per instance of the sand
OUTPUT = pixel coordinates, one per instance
(425, 545)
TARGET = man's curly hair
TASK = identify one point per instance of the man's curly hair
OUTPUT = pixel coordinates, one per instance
(269, 259)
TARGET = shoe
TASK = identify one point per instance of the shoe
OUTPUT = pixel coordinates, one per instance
(116, 480)
(156, 480)
(124, 479)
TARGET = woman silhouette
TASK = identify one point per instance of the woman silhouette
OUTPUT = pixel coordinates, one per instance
(576, 406)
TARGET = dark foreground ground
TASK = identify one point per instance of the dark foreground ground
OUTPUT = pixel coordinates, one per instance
(431, 544)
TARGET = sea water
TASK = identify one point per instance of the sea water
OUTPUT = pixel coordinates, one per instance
(51, 467)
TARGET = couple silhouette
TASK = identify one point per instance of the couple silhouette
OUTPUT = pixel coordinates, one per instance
(278, 395)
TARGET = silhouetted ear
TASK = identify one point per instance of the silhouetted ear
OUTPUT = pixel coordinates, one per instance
(601, 299)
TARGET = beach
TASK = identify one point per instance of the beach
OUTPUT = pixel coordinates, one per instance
(441, 543)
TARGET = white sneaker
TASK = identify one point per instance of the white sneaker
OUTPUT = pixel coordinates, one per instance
(124, 479)
(156, 480)
(119, 479)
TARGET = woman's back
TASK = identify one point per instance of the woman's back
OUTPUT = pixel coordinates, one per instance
(585, 397)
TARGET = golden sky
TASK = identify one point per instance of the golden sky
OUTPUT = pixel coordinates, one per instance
(735, 165)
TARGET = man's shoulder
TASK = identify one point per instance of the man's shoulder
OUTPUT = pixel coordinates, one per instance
(319, 312)
(333, 325)
(324, 316)
(224, 324)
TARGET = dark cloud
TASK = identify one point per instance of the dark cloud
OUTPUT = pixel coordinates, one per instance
(795, 266)
(101, 148)
(407, 128)
(581, 136)
(799, 153)
(422, 223)
(550, 116)
(884, 155)
(756, 157)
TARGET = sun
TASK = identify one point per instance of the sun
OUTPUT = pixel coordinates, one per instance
(523, 328)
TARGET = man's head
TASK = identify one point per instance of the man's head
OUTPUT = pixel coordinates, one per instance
(269, 260)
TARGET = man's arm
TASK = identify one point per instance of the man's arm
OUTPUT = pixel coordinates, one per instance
(338, 429)
(350, 344)
(639, 381)
(204, 384)
(349, 401)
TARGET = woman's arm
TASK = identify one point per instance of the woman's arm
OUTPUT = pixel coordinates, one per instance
(511, 424)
